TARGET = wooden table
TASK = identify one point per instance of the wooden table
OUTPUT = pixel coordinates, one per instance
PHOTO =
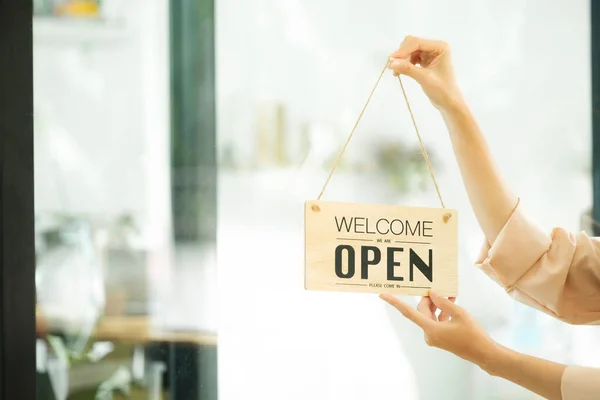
(135, 329)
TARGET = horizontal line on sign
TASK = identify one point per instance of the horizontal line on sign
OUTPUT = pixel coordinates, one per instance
(352, 284)
(408, 241)
(363, 240)
(415, 287)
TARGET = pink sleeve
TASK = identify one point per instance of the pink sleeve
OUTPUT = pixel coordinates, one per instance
(580, 383)
(558, 273)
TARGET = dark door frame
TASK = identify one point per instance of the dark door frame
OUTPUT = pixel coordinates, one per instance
(17, 243)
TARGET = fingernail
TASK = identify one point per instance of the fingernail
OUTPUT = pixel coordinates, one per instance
(397, 62)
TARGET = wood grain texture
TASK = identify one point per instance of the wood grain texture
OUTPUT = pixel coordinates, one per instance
(371, 248)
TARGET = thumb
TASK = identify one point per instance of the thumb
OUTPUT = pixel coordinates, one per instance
(405, 67)
(444, 304)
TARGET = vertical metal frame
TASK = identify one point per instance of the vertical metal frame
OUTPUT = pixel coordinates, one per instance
(193, 119)
(193, 369)
(17, 242)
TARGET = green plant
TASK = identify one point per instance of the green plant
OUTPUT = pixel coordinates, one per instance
(404, 166)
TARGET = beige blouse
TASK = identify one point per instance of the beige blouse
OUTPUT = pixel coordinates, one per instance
(558, 274)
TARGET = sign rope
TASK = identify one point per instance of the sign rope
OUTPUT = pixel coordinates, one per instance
(423, 150)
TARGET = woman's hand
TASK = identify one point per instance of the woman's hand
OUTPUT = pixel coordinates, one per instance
(430, 64)
(454, 330)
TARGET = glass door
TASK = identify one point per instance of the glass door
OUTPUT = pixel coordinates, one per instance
(135, 136)
(125, 246)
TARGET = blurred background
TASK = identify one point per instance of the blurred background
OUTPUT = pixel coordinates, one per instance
(176, 142)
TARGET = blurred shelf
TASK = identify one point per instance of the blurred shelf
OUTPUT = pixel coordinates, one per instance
(69, 31)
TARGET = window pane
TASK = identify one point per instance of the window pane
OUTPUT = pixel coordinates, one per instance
(125, 271)
(129, 148)
(292, 77)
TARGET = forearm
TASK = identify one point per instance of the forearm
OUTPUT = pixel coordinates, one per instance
(491, 199)
(540, 376)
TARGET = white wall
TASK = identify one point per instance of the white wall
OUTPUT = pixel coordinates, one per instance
(524, 67)
(102, 116)
(102, 127)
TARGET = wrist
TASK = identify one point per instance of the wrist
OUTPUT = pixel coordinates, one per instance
(493, 359)
(461, 123)
(455, 107)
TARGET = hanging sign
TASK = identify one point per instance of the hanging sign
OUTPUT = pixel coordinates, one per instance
(377, 248)
(380, 249)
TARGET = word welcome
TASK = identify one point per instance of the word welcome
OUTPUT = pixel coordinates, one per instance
(370, 256)
(383, 226)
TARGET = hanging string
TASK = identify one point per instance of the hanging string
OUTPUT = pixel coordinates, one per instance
(335, 164)
(423, 150)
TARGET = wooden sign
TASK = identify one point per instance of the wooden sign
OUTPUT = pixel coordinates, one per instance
(380, 249)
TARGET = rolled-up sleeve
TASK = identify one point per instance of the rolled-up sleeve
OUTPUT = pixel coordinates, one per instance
(580, 383)
(557, 273)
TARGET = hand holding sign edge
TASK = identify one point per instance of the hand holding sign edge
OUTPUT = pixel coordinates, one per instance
(454, 330)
